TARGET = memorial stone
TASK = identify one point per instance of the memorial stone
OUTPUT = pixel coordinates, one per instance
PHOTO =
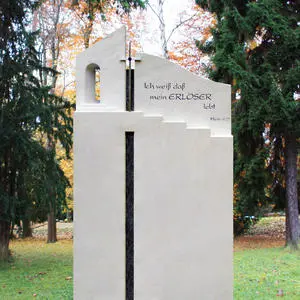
(153, 180)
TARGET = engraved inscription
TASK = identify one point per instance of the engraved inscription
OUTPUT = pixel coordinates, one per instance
(178, 92)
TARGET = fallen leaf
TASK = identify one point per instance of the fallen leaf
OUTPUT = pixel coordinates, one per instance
(280, 293)
(69, 278)
(42, 273)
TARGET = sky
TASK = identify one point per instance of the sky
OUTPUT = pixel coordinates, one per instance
(149, 32)
(172, 9)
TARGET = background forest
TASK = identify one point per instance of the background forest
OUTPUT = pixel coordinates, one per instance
(252, 45)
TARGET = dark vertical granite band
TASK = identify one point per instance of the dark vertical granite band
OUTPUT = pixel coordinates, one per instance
(129, 222)
(130, 90)
(129, 165)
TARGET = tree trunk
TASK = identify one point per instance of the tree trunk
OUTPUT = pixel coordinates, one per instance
(87, 34)
(162, 28)
(4, 239)
(292, 212)
(52, 238)
(52, 212)
(27, 231)
(8, 182)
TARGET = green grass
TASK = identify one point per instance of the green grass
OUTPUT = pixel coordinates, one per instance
(38, 271)
(261, 273)
(45, 270)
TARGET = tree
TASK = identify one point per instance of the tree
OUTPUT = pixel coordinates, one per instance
(27, 168)
(162, 26)
(256, 48)
(86, 11)
(178, 38)
(53, 21)
(194, 25)
(53, 29)
(158, 11)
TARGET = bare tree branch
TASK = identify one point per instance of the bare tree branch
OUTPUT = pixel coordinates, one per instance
(66, 85)
(160, 20)
(180, 24)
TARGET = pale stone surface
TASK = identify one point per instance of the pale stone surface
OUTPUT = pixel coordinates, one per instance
(165, 88)
(106, 55)
(183, 184)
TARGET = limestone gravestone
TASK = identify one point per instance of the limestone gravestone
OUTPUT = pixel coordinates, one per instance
(153, 180)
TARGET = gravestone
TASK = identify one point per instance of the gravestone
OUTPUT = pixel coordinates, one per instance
(153, 180)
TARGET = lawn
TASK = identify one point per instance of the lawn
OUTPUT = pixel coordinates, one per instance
(266, 274)
(38, 271)
(44, 271)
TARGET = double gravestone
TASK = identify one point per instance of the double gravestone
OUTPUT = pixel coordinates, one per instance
(153, 185)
